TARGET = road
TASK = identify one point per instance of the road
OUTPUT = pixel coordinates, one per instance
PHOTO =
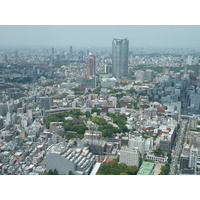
(178, 148)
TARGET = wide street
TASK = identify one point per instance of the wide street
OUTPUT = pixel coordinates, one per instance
(178, 148)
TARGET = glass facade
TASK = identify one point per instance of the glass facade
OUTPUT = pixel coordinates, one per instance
(120, 57)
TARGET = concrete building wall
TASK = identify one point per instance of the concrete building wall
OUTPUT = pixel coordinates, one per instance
(63, 166)
(165, 145)
(193, 157)
(137, 142)
(184, 162)
(129, 156)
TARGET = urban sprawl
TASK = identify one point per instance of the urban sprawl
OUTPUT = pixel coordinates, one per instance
(99, 111)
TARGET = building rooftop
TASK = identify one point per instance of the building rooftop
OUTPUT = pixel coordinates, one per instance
(95, 168)
(146, 168)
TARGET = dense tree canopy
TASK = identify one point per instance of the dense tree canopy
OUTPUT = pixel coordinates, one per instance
(76, 125)
(98, 111)
(120, 120)
(115, 90)
(107, 129)
(165, 169)
(57, 117)
(77, 91)
(159, 152)
(97, 91)
(115, 168)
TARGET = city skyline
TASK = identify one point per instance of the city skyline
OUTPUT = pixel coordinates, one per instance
(72, 111)
(100, 35)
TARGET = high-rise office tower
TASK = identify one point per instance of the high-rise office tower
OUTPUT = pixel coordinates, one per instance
(149, 75)
(80, 55)
(189, 60)
(90, 65)
(120, 57)
(35, 70)
(193, 157)
(5, 58)
(1, 122)
(58, 59)
(185, 69)
(52, 51)
(184, 161)
(70, 51)
(16, 54)
(87, 53)
(195, 101)
(3, 109)
(46, 102)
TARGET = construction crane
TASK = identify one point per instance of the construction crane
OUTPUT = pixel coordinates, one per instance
(91, 134)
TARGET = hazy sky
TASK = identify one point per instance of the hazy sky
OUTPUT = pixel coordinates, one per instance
(100, 35)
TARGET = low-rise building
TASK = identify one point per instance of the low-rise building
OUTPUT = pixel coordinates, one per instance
(150, 156)
(147, 168)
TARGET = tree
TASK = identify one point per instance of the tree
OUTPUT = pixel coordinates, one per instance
(140, 161)
(107, 133)
(123, 173)
(169, 157)
(132, 170)
(76, 112)
(123, 129)
(165, 169)
(159, 152)
(131, 91)
(96, 91)
(95, 110)
(50, 172)
(104, 169)
(69, 136)
(55, 172)
(88, 115)
(161, 173)
(122, 166)
(71, 173)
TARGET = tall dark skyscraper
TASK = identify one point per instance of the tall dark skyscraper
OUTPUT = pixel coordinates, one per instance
(16, 54)
(120, 48)
(80, 55)
(70, 51)
(52, 51)
(90, 65)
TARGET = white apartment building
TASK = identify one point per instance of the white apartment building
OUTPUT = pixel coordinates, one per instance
(139, 142)
(129, 156)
